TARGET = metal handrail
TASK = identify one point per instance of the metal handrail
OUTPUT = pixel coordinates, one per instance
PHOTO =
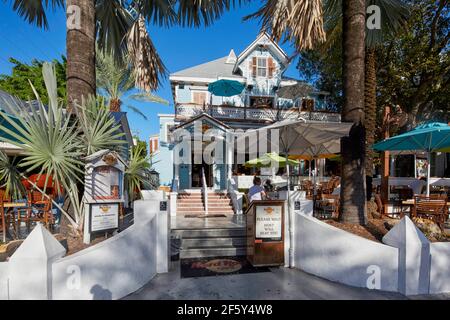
(205, 191)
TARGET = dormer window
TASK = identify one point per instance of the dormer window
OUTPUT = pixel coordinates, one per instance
(261, 67)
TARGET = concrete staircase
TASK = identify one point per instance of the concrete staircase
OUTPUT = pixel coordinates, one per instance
(193, 203)
(212, 242)
(216, 237)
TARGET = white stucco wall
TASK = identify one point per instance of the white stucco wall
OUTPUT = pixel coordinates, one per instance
(113, 268)
(4, 266)
(440, 267)
(337, 255)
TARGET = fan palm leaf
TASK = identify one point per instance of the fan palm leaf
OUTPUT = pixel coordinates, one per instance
(298, 21)
(34, 10)
(100, 130)
(138, 173)
(10, 177)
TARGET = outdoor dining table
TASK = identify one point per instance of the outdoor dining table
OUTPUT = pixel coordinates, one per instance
(5, 206)
(410, 203)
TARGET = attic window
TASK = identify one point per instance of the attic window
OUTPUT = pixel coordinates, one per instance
(261, 67)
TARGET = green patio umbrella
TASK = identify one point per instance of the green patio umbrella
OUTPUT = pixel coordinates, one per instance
(428, 137)
(225, 88)
(269, 159)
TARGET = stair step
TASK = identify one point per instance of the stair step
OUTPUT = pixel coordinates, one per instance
(197, 243)
(213, 252)
(190, 210)
(189, 205)
(209, 233)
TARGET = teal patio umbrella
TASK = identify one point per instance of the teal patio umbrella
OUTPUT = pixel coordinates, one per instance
(428, 137)
(225, 88)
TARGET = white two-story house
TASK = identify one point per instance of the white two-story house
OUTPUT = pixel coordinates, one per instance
(268, 96)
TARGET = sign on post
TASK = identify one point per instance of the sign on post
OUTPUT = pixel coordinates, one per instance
(268, 223)
(104, 217)
(265, 233)
(103, 192)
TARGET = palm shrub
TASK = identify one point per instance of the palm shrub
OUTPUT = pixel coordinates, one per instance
(116, 79)
(54, 143)
(139, 175)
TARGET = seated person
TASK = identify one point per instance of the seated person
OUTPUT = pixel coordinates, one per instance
(418, 185)
(256, 192)
(268, 186)
(337, 190)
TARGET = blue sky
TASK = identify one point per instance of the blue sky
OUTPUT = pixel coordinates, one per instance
(179, 48)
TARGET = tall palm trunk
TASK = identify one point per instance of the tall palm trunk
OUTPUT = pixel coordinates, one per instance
(353, 186)
(80, 45)
(370, 98)
(114, 105)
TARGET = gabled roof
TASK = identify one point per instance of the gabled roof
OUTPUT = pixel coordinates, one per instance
(265, 39)
(215, 69)
(204, 116)
(122, 119)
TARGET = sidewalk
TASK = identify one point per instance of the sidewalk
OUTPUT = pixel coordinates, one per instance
(280, 283)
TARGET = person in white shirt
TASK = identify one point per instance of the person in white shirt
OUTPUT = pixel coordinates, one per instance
(256, 192)
(418, 185)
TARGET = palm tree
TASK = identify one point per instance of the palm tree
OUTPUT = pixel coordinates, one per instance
(120, 27)
(393, 15)
(353, 186)
(80, 47)
(115, 78)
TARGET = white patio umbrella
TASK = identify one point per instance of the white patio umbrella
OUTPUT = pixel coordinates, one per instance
(297, 137)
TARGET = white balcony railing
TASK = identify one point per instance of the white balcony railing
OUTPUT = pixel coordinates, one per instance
(187, 111)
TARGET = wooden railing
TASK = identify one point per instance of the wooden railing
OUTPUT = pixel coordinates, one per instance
(189, 110)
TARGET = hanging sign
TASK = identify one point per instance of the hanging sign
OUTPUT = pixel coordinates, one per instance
(268, 223)
(104, 216)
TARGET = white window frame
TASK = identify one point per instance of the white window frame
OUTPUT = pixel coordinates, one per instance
(263, 67)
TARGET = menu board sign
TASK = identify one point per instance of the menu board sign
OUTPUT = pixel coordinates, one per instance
(268, 223)
(104, 216)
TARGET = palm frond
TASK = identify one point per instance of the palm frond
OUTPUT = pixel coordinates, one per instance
(113, 23)
(10, 178)
(48, 137)
(148, 66)
(137, 111)
(138, 175)
(299, 21)
(394, 18)
(148, 97)
(100, 130)
(34, 10)
(194, 13)
(114, 76)
(159, 12)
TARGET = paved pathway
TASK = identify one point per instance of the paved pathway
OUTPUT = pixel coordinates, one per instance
(280, 283)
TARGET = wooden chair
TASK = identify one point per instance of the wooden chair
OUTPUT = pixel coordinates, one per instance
(7, 215)
(328, 187)
(328, 206)
(40, 208)
(433, 208)
(306, 185)
(402, 195)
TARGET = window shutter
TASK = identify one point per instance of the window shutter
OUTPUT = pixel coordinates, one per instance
(254, 66)
(271, 67)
